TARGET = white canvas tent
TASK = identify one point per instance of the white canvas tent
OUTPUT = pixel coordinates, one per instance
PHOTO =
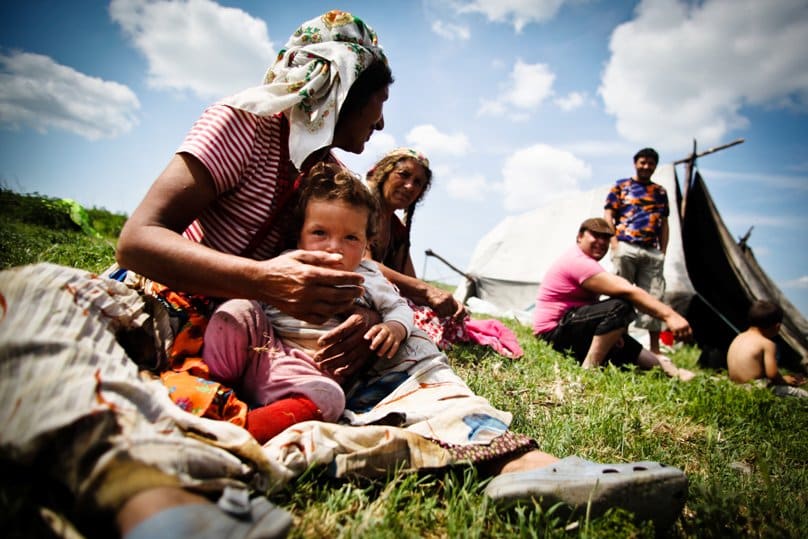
(510, 261)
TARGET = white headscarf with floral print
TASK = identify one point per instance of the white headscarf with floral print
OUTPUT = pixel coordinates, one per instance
(311, 78)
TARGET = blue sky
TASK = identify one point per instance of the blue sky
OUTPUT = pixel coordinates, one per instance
(518, 103)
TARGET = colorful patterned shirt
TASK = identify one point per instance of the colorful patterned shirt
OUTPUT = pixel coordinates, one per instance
(639, 209)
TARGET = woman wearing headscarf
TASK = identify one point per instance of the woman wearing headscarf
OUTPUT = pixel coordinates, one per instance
(400, 180)
(227, 186)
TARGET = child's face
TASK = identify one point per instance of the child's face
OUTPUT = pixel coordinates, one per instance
(335, 227)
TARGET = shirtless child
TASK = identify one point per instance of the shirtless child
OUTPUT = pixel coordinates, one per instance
(752, 355)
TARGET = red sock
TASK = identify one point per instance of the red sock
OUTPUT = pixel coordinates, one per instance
(268, 421)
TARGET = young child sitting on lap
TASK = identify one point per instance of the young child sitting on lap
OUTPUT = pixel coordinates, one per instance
(752, 355)
(336, 213)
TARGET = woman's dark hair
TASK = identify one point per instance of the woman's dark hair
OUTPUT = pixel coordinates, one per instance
(375, 77)
(330, 182)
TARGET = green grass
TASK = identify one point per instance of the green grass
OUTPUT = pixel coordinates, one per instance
(39, 229)
(744, 450)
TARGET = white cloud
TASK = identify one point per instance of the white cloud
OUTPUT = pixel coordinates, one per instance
(491, 107)
(471, 187)
(196, 45)
(571, 101)
(683, 70)
(429, 140)
(441, 149)
(519, 13)
(378, 145)
(451, 31)
(800, 282)
(527, 87)
(37, 92)
(601, 148)
(535, 175)
(532, 84)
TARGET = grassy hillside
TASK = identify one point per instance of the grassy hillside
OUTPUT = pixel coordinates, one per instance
(744, 450)
(40, 229)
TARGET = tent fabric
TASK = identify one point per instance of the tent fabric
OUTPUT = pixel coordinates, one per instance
(510, 261)
(729, 278)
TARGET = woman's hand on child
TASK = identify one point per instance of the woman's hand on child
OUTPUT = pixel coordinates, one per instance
(306, 285)
(344, 350)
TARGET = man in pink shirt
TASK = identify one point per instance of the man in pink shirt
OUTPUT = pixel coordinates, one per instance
(570, 315)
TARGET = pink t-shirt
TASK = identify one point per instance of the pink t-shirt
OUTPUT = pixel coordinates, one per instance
(561, 288)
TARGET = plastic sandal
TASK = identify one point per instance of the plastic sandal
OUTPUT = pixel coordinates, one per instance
(650, 490)
(260, 519)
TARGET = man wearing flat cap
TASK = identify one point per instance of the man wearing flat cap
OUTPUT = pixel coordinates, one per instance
(571, 316)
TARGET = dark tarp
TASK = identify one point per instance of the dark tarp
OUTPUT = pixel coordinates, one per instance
(727, 279)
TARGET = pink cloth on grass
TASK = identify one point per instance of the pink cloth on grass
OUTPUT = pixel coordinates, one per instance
(495, 334)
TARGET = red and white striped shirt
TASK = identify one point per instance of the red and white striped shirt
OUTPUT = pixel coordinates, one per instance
(248, 157)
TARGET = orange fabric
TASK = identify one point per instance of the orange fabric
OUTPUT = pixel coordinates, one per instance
(188, 381)
(204, 398)
(191, 333)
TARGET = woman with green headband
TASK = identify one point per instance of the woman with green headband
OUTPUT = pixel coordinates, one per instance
(401, 180)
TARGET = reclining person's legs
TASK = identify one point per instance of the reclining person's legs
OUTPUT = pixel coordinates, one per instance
(78, 409)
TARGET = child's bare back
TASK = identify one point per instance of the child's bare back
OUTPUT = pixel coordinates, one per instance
(752, 355)
(747, 356)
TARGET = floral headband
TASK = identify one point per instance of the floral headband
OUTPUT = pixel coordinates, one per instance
(408, 152)
(311, 78)
(395, 155)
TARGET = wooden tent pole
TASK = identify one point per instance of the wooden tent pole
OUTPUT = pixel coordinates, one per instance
(690, 165)
(709, 151)
(430, 252)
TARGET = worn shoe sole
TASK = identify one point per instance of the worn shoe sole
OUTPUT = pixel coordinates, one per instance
(262, 520)
(651, 491)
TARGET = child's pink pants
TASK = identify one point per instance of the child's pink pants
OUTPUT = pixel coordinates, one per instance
(242, 352)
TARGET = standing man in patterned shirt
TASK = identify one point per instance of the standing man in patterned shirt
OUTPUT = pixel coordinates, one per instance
(638, 209)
